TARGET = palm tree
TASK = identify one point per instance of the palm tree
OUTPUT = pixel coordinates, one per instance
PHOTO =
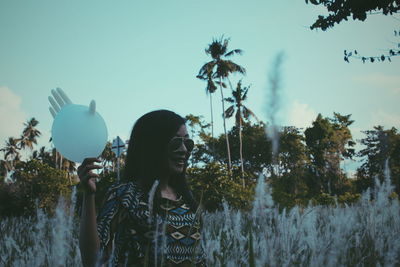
(44, 155)
(23, 142)
(210, 89)
(31, 133)
(57, 158)
(69, 167)
(108, 157)
(220, 67)
(11, 150)
(5, 167)
(35, 154)
(239, 96)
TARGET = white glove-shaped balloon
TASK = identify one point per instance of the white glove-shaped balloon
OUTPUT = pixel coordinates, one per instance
(78, 131)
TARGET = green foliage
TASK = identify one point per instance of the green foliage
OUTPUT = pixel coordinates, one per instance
(329, 142)
(380, 145)
(256, 148)
(307, 167)
(212, 185)
(349, 198)
(34, 181)
(292, 159)
(289, 190)
(324, 199)
(342, 10)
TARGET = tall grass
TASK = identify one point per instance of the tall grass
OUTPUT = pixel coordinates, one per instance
(42, 240)
(366, 233)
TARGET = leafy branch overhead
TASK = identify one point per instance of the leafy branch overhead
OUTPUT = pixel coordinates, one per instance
(386, 56)
(342, 10)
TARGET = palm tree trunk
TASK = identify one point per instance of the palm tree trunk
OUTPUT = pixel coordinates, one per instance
(55, 161)
(226, 134)
(212, 117)
(241, 149)
(212, 124)
(61, 161)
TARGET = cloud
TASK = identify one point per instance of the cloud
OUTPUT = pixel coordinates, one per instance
(301, 115)
(12, 116)
(381, 81)
(385, 119)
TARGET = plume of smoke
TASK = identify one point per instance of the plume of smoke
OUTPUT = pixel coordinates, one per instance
(273, 102)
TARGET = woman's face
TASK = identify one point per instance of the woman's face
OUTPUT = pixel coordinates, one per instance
(178, 153)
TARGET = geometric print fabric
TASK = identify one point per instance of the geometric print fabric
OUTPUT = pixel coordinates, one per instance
(123, 227)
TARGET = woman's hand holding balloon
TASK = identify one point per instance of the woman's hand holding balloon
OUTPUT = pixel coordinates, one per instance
(87, 176)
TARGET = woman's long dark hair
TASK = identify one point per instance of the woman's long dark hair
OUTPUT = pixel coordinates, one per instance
(147, 149)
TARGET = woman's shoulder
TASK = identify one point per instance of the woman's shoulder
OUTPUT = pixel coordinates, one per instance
(121, 194)
(123, 189)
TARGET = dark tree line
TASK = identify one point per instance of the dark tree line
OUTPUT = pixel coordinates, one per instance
(310, 163)
(309, 166)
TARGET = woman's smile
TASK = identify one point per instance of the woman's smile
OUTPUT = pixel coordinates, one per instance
(178, 156)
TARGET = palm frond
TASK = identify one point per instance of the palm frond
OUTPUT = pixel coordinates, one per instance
(206, 70)
(229, 99)
(233, 52)
(229, 111)
(226, 67)
(217, 48)
(211, 87)
(221, 84)
(246, 89)
(247, 113)
(237, 68)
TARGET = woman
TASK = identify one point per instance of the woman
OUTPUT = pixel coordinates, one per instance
(150, 218)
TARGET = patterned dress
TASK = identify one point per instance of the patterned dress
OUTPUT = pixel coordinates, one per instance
(131, 235)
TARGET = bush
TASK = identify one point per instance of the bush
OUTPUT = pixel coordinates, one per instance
(34, 181)
(211, 185)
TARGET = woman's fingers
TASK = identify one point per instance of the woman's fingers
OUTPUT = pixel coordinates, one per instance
(89, 176)
(85, 178)
(86, 174)
(87, 166)
(90, 160)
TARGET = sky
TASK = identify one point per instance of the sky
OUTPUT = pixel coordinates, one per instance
(133, 57)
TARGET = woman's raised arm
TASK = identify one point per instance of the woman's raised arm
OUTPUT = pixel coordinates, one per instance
(89, 243)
